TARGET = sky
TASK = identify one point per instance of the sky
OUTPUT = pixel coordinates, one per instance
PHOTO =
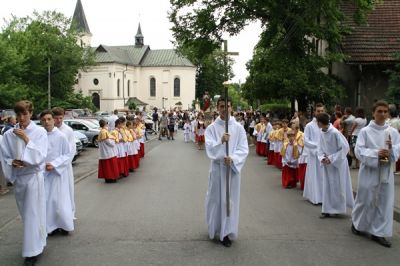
(116, 22)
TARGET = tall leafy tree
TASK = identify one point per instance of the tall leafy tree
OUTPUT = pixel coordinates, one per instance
(286, 62)
(35, 43)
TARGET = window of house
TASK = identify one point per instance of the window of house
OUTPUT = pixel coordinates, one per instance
(177, 87)
(152, 87)
(118, 88)
(129, 88)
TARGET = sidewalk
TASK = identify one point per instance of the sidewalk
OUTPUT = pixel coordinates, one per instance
(396, 216)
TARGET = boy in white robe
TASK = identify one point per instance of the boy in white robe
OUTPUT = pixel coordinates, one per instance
(377, 149)
(59, 215)
(333, 148)
(216, 213)
(24, 150)
(58, 113)
(313, 179)
(187, 131)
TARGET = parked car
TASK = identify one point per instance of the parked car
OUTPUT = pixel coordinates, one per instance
(78, 142)
(82, 137)
(79, 148)
(86, 127)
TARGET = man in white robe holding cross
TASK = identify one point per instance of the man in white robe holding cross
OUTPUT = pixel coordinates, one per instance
(219, 223)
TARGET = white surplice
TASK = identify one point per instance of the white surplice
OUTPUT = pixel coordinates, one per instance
(69, 133)
(337, 192)
(216, 216)
(28, 184)
(58, 203)
(373, 210)
(313, 178)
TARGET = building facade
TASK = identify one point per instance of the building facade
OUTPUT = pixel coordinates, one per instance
(159, 78)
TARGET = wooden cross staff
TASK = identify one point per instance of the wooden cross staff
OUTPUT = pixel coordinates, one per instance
(228, 167)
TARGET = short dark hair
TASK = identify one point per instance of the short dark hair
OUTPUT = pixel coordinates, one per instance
(222, 99)
(338, 114)
(323, 118)
(348, 110)
(58, 111)
(23, 106)
(319, 105)
(380, 103)
(115, 111)
(285, 121)
(360, 112)
(392, 110)
(102, 122)
(46, 112)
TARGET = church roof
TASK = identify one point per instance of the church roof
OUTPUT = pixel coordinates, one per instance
(378, 39)
(79, 18)
(140, 56)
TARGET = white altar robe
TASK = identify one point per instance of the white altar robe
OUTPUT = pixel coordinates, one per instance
(337, 192)
(58, 203)
(28, 184)
(313, 179)
(69, 133)
(216, 216)
(373, 210)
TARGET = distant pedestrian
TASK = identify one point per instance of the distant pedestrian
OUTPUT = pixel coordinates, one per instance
(11, 121)
(112, 119)
(155, 119)
(186, 131)
(171, 125)
(377, 148)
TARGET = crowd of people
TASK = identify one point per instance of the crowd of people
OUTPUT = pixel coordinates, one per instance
(121, 146)
(38, 162)
(320, 159)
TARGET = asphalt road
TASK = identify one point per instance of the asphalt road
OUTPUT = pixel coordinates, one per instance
(156, 217)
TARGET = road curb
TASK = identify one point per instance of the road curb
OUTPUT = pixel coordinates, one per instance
(79, 179)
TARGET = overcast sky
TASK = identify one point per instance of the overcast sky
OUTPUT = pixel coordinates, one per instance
(115, 23)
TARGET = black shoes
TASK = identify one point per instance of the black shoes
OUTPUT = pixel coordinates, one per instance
(59, 231)
(226, 242)
(354, 230)
(382, 241)
(324, 215)
(30, 261)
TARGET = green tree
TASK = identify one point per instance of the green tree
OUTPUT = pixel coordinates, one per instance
(286, 60)
(39, 41)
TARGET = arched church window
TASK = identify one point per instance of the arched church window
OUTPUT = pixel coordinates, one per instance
(177, 87)
(118, 88)
(152, 87)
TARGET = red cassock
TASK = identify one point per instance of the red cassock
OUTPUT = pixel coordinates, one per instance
(108, 169)
(258, 147)
(271, 157)
(123, 166)
(301, 174)
(131, 162)
(263, 149)
(136, 161)
(289, 177)
(278, 160)
(141, 150)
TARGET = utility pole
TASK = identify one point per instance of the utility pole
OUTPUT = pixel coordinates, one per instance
(48, 86)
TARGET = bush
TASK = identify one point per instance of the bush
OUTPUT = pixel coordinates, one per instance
(275, 107)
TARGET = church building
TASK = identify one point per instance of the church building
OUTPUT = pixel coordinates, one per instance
(134, 73)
